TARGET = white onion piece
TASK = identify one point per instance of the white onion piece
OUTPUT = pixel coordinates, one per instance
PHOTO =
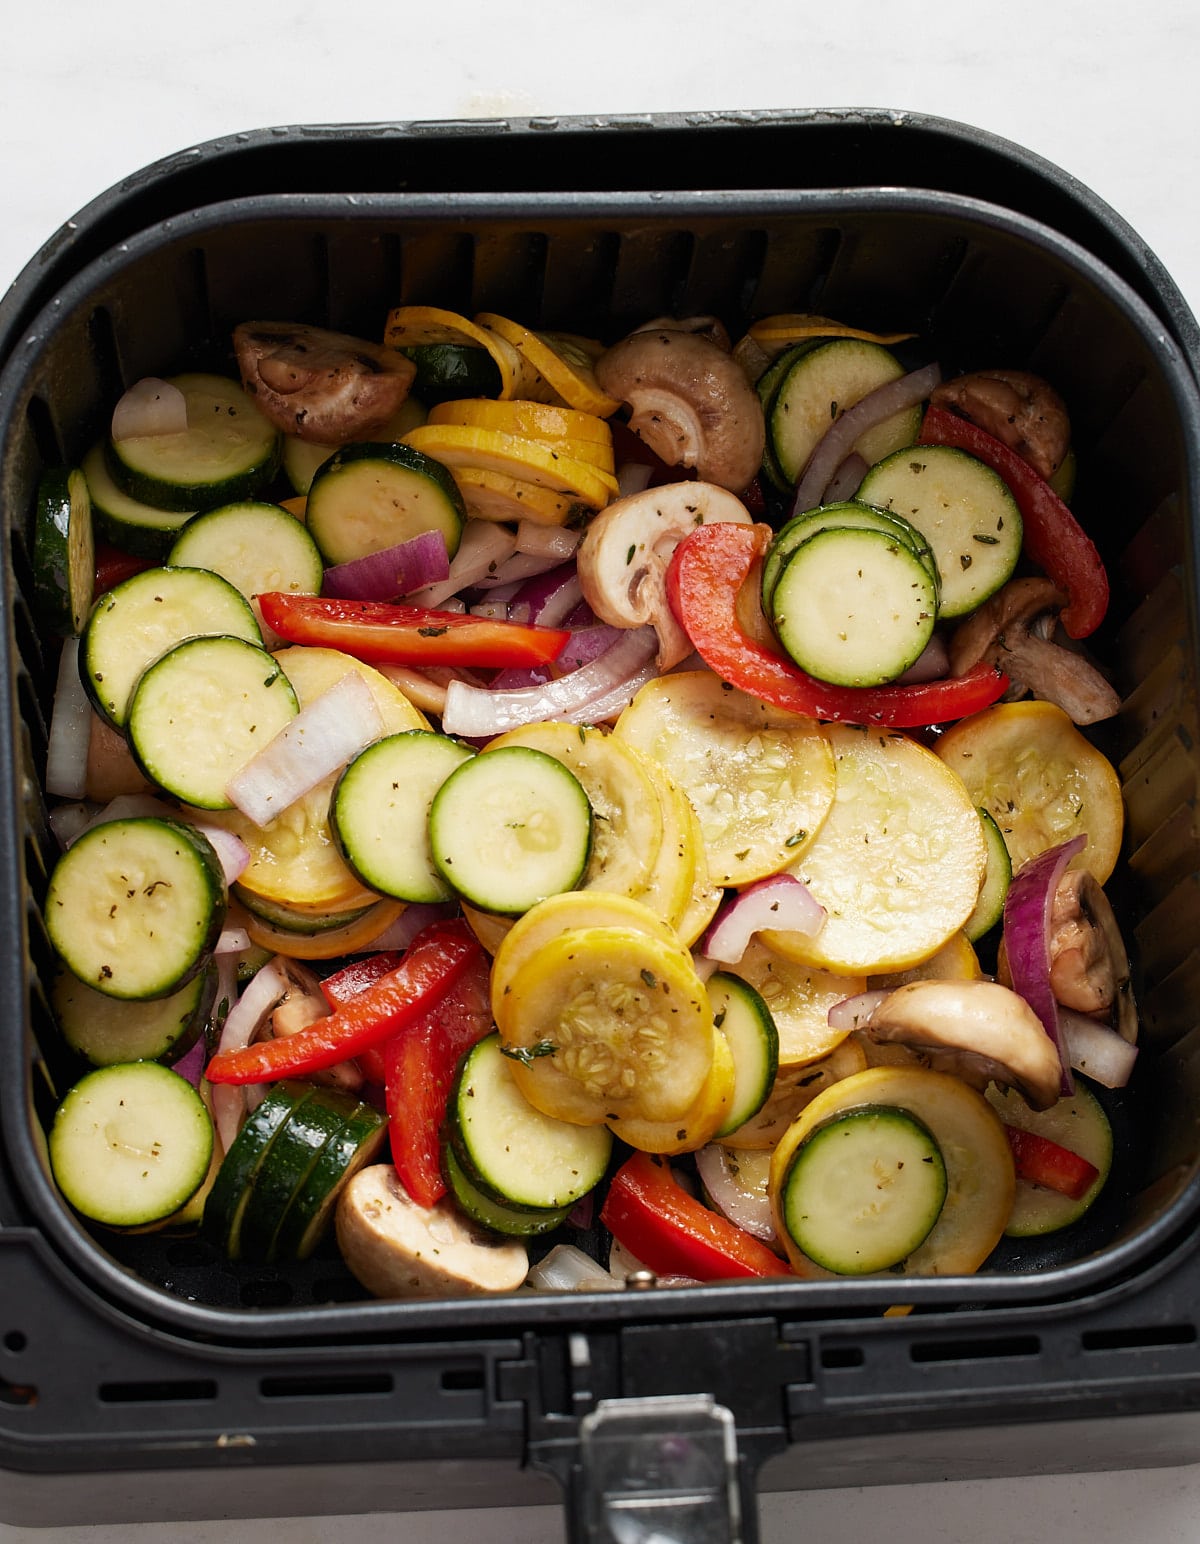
(780, 901)
(322, 737)
(134, 806)
(70, 729)
(931, 664)
(521, 565)
(610, 705)
(229, 1111)
(726, 1177)
(1097, 1051)
(410, 565)
(150, 407)
(491, 610)
(232, 940)
(547, 541)
(233, 853)
(567, 1269)
(633, 477)
(68, 821)
(838, 440)
(623, 1262)
(1027, 909)
(854, 1012)
(484, 546)
(477, 713)
(262, 993)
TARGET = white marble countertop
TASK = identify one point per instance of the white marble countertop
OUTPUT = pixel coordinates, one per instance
(89, 94)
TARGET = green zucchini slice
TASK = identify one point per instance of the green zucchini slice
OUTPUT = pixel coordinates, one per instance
(371, 496)
(864, 1190)
(107, 1030)
(742, 1016)
(130, 1144)
(134, 907)
(64, 550)
(227, 452)
(130, 524)
(257, 546)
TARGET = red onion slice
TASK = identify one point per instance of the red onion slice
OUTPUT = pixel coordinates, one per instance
(232, 940)
(410, 565)
(1095, 1050)
(781, 902)
(322, 737)
(233, 853)
(519, 566)
(836, 444)
(549, 599)
(150, 407)
(192, 1063)
(411, 921)
(746, 1206)
(932, 664)
(265, 989)
(847, 480)
(1027, 910)
(478, 713)
(633, 477)
(70, 729)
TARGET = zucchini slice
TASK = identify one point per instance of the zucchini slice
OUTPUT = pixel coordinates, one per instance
(963, 509)
(64, 550)
(379, 812)
(864, 1191)
(854, 607)
(354, 1145)
(1078, 1123)
(258, 547)
(241, 1165)
(509, 828)
(446, 371)
(128, 523)
(130, 1144)
(135, 906)
(848, 515)
(106, 1030)
(744, 1019)
(510, 1151)
(486, 1212)
(228, 451)
(286, 1168)
(143, 617)
(302, 458)
(997, 876)
(198, 715)
(979, 1178)
(819, 385)
(371, 496)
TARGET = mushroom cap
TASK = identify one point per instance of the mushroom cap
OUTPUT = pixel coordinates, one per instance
(979, 1030)
(322, 386)
(396, 1248)
(623, 558)
(690, 402)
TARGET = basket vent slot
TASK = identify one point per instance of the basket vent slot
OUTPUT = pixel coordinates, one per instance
(341, 1385)
(1139, 1337)
(158, 1392)
(836, 1358)
(975, 1350)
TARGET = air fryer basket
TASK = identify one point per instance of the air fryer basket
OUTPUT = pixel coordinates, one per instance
(151, 1353)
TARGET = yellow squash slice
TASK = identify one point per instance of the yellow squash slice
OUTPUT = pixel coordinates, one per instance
(760, 780)
(1041, 780)
(898, 862)
(491, 450)
(607, 1023)
(697, 1126)
(799, 997)
(497, 496)
(563, 361)
(581, 436)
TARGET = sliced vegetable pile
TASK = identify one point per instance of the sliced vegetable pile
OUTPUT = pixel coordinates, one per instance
(516, 821)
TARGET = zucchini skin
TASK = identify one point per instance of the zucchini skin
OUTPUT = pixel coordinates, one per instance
(64, 550)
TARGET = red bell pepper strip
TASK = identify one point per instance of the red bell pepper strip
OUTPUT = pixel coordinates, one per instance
(1039, 1161)
(430, 966)
(420, 1064)
(113, 566)
(672, 1233)
(347, 983)
(382, 632)
(1053, 537)
(708, 568)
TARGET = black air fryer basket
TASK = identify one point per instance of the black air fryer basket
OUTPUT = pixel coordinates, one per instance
(151, 1355)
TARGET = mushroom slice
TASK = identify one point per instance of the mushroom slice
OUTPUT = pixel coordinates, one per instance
(710, 327)
(1011, 630)
(979, 1031)
(302, 1004)
(1020, 409)
(322, 386)
(690, 402)
(396, 1248)
(623, 557)
(1089, 967)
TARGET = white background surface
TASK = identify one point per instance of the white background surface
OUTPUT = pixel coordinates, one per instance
(90, 93)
